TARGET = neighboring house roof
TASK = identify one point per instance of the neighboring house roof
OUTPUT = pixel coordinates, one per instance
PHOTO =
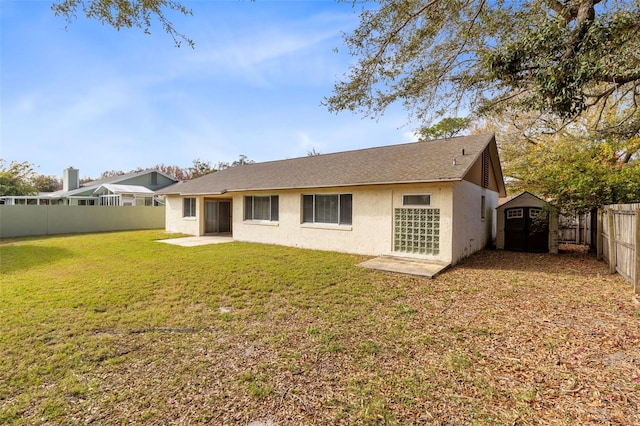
(120, 178)
(111, 179)
(428, 161)
(123, 189)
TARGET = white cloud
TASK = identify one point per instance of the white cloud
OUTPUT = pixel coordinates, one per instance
(276, 52)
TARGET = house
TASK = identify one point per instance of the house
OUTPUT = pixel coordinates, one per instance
(131, 189)
(527, 223)
(431, 200)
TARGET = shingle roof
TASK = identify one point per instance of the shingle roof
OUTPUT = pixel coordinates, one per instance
(429, 161)
(111, 179)
(120, 178)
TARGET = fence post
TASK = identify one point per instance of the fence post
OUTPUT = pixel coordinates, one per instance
(612, 242)
(636, 277)
(599, 231)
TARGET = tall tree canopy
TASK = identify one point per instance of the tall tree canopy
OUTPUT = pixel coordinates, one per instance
(17, 178)
(126, 14)
(560, 57)
(576, 167)
(446, 128)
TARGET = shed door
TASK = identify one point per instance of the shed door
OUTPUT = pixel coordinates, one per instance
(526, 229)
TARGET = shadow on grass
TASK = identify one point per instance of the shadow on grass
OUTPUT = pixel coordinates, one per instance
(24, 257)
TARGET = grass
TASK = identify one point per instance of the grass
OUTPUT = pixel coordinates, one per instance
(116, 328)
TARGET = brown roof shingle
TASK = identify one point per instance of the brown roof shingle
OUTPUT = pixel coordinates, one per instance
(428, 161)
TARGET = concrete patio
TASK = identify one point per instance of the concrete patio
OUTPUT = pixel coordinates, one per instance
(197, 241)
(404, 265)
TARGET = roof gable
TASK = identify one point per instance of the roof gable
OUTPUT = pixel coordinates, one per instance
(428, 161)
(124, 177)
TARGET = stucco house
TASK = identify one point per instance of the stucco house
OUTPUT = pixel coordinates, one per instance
(432, 200)
(130, 189)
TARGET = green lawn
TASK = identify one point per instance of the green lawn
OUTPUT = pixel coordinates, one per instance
(116, 328)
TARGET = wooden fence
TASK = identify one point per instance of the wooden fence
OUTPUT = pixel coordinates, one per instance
(619, 240)
(575, 229)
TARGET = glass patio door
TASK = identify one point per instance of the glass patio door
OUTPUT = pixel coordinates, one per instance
(217, 216)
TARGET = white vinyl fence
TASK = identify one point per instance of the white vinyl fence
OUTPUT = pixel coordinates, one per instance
(619, 240)
(24, 220)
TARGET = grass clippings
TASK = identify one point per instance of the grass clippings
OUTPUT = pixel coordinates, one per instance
(116, 328)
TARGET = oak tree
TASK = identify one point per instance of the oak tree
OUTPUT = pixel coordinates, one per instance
(576, 167)
(446, 128)
(126, 14)
(557, 57)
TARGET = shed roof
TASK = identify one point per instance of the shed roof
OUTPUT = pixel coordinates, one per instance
(517, 199)
(418, 162)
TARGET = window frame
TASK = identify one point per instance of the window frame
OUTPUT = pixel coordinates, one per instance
(515, 213)
(422, 194)
(274, 208)
(535, 212)
(343, 209)
(191, 210)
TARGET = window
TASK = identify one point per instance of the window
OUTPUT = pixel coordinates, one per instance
(515, 214)
(416, 200)
(261, 208)
(417, 230)
(483, 206)
(322, 208)
(189, 207)
(86, 202)
(534, 213)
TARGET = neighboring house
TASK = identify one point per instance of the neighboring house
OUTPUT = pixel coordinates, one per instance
(527, 223)
(433, 200)
(131, 189)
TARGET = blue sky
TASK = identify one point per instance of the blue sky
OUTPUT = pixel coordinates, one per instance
(98, 99)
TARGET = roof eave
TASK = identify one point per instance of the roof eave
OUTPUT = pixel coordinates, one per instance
(345, 185)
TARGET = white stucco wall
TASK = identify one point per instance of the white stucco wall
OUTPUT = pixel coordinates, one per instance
(442, 199)
(371, 231)
(175, 223)
(472, 232)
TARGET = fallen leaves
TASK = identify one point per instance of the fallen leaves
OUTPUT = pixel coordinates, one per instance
(501, 338)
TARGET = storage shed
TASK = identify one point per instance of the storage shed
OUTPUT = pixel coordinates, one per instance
(527, 223)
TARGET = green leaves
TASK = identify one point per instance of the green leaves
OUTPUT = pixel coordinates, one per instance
(562, 57)
(126, 14)
(446, 128)
(578, 174)
(16, 178)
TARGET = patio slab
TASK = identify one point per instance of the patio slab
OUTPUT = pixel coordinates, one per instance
(405, 265)
(196, 241)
